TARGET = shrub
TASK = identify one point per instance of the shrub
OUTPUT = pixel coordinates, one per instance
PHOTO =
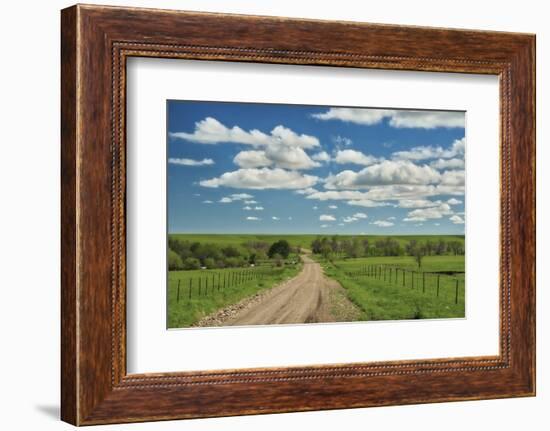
(174, 261)
(191, 263)
(232, 262)
(209, 263)
(281, 247)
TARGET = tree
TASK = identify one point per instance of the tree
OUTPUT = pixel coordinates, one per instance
(326, 250)
(456, 247)
(278, 259)
(231, 251)
(429, 246)
(416, 250)
(419, 254)
(366, 246)
(441, 247)
(209, 263)
(232, 262)
(174, 261)
(191, 263)
(281, 247)
(316, 246)
(336, 245)
(411, 246)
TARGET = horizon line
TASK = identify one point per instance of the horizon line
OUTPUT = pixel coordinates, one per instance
(325, 233)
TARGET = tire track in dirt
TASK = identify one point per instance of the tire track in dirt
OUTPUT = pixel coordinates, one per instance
(309, 297)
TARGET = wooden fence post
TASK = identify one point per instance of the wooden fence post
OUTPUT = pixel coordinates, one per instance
(190, 287)
(438, 276)
(456, 291)
(423, 282)
(200, 285)
(178, 299)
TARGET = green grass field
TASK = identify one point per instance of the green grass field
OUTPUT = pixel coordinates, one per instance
(218, 289)
(394, 288)
(400, 291)
(303, 241)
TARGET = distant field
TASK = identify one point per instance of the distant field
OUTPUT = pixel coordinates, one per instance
(429, 263)
(303, 241)
(394, 288)
(202, 292)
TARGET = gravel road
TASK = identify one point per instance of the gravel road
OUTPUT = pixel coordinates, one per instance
(309, 297)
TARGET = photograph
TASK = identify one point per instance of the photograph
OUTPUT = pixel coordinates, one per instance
(300, 214)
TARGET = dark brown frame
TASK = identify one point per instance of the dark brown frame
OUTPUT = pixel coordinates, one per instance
(95, 42)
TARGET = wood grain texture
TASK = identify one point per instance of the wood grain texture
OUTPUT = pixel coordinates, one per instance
(96, 41)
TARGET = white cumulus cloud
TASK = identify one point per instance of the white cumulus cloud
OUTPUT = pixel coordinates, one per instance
(418, 203)
(396, 118)
(456, 219)
(355, 115)
(367, 203)
(190, 162)
(354, 157)
(454, 201)
(430, 152)
(429, 213)
(235, 197)
(453, 178)
(280, 156)
(253, 218)
(263, 178)
(448, 164)
(322, 156)
(252, 159)
(383, 223)
(388, 172)
(212, 131)
(307, 191)
(326, 217)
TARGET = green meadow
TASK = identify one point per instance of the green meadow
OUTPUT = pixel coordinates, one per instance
(395, 288)
(195, 294)
(381, 275)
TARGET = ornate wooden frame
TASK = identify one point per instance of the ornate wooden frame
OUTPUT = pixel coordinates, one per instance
(95, 42)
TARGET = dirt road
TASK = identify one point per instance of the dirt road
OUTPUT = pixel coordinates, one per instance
(310, 297)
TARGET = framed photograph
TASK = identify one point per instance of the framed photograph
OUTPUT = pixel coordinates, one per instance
(266, 215)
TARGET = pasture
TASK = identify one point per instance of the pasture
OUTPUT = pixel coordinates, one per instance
(193, 295)
(395, 288)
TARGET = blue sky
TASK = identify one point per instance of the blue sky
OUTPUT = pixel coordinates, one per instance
(267, 168)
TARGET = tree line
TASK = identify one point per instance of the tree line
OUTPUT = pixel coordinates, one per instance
(187, 255)
(338, 247)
